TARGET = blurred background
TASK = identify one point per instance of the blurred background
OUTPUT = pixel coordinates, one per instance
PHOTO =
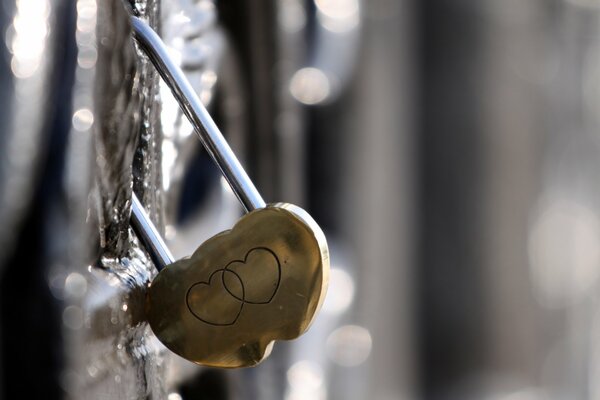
(448, 148)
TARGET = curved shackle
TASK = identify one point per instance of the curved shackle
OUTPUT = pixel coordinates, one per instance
(211, 137)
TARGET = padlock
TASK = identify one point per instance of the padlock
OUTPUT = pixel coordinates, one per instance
(242, 289)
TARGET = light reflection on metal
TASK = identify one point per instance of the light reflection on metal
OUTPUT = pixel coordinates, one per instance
(75, 285)
(341, 292)
(149, 235)
(349, 345)
(87, 53)
(207, 130)
(73, 317)
(291, 16)
(30, 26)
(174, 396)
(310, 86)
(23, 117)
(83, 103)
(306, 381)
(333, 53)
(83, 119)
(78, 166)
(564, 253)
(338, 16)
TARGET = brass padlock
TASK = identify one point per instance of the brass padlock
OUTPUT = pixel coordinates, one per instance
(242, 289)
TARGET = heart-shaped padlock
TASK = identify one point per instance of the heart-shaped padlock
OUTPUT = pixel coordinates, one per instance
(242, 289)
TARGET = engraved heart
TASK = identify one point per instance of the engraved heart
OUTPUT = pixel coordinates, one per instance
(260, 274)
(261, 281)
(211, 301)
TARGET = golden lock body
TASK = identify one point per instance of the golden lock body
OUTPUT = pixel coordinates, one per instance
(261, 281)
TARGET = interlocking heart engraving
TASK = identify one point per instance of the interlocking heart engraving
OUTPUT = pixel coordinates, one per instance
(263, 280)
(230, 286)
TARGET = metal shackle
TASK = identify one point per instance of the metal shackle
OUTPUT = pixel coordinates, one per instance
(209, 134)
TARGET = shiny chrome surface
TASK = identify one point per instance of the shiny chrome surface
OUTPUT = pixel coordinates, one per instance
(207, 130)
(264, 280)
(149, 235)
